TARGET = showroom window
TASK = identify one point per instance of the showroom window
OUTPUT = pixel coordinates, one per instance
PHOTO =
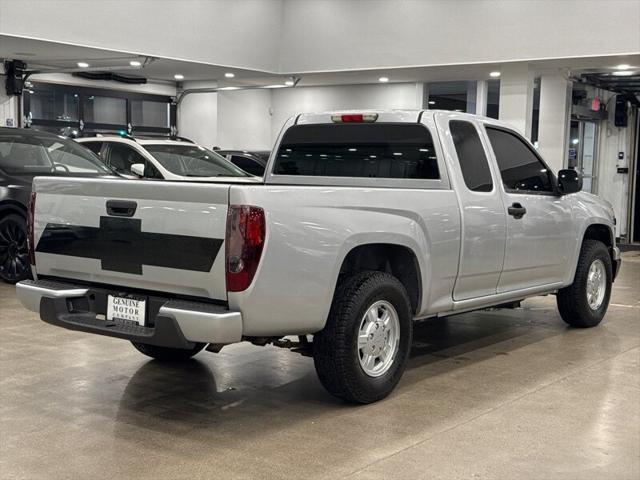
(385, 150)
(49, 104)
(493, 98)
(71, 110)
(520, 167)
(535, 113)
(471, 157)
(456, 96)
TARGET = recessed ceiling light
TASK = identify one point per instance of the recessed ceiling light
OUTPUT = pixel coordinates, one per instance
(229, 75)
(432, 102)
(135, 63)
(289, 83)
(623, 73)
(624, 66)
(178, 76)
(83, 64)
(494, 74)
(383, 79)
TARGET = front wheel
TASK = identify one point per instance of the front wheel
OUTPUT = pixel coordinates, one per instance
(584, 302)
(168, 354)
(363, 349)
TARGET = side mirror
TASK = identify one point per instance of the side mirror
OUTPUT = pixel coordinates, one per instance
(569, 181)
(138, 169)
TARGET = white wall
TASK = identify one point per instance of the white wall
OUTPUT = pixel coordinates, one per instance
(252, 119)
(198, 118)
(288, 102)
(8, 108)
(350, 34)
(240, 33)
(614, 186)
(229, 120)
(319, 35)
(244, 121)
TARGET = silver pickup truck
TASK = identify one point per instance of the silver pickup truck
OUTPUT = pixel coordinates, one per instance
(363, 223)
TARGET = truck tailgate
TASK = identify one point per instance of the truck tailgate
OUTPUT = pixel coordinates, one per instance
(160, 236)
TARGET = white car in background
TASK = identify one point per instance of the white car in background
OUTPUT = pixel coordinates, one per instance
(161, 159)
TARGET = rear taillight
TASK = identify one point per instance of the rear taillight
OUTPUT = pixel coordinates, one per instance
(244, 241)
(30, 214)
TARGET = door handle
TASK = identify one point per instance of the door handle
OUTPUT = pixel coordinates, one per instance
(121, 208)
(516, 210)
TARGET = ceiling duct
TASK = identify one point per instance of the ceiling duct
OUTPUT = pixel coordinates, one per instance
(116, 77)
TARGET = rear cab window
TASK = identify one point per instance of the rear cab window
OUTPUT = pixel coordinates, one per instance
(358, 150)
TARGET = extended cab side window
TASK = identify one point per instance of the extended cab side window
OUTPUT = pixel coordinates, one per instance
(471, 156)
(357, 150)
(520, 168)
(121, 157)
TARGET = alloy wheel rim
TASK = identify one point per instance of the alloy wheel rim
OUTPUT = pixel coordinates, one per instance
(378, 338)
(596, 284)
(14, 257)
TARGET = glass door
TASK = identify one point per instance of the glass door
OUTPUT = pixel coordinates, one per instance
(583, 149)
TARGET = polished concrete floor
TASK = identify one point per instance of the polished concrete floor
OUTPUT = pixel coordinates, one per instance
(487, 395)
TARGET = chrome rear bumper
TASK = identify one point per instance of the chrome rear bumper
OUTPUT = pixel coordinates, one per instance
(171, 322)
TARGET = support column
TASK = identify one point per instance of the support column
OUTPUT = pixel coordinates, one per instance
(482, 91)
(516, 97)
(555, 111)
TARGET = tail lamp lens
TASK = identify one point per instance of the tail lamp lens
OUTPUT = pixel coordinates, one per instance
(244, 241)
(30, 236)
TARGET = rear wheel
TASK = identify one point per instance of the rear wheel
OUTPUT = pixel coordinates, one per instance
(14, 256)
(168, 354)
(363, 350)
(584, 302)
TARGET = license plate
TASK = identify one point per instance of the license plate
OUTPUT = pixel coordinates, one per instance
(131, 309)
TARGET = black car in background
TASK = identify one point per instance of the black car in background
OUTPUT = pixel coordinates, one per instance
(253, 163)
(25, 154)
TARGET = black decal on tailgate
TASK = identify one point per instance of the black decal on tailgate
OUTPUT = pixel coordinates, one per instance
(122, 246)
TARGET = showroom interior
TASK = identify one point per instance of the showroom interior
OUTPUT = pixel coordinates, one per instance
(487, 393)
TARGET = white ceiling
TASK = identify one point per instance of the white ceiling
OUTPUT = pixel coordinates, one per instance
(53, 56)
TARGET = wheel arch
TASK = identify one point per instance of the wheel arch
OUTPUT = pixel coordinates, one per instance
(396, 259)
(12, 207)
(603, 233)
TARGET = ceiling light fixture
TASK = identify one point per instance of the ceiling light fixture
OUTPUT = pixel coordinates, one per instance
(432, 102)
(289, 83)
(494, 74)
(623, 73)
(229, 75)
(83, 64)
(383, 79)
(624, 66)
(178, 76)
(135, 63)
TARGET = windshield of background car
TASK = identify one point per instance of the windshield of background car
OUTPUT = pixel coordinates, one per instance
(193, 161)
(42, 154)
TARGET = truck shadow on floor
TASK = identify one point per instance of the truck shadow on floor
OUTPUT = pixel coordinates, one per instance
(210, 393)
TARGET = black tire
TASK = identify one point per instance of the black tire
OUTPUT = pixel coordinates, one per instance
(167, 354)
(14, 255)
(572, 301)
(335, 348)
